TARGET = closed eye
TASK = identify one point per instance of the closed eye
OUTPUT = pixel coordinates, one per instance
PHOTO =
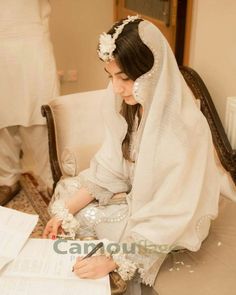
(119, 74)
(125, 79)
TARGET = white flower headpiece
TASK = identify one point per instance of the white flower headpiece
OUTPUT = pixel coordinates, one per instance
(107, 42)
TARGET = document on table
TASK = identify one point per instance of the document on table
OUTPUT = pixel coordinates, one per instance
(45, 267)
(15, 229)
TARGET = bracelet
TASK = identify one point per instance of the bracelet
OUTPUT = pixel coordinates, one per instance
(69, 223)
(126, 268)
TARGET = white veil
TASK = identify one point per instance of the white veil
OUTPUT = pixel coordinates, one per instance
(176, 185)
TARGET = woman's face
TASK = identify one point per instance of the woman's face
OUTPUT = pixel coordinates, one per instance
(122, 84)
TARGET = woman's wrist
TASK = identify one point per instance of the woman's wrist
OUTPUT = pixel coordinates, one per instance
(79, 200)
(68, 222)
(112, 266)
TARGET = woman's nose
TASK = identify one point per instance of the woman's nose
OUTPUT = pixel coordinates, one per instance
(117, 86)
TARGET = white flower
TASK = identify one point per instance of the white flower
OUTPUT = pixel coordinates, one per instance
(107, 43)
(106, 46)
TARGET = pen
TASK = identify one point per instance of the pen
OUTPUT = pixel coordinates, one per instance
(94, 250)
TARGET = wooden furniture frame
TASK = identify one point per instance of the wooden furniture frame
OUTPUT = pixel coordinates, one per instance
(222, 145)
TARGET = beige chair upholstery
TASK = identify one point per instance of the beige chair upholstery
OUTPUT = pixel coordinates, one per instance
(209, 271)
(75, 133)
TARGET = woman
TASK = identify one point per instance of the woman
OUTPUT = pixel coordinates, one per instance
(158, 153)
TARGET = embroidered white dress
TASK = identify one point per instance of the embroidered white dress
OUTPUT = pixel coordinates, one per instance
(107, 217)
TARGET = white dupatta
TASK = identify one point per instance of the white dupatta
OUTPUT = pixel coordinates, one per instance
(176, 184)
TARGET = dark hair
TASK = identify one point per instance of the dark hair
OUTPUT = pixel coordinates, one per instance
(135, 59)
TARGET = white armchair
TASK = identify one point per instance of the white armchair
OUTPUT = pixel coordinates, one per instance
(75, 133)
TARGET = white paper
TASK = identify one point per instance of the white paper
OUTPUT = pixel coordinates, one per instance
(15, 229)
(40, 270)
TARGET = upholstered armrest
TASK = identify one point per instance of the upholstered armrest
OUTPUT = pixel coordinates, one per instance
(70, 159)
(74, 159)
(75, 130)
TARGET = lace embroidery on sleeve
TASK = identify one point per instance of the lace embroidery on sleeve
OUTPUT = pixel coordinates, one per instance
(126, 267)
(69, 223)
(146, 257)
(136, 261)
(99, 193)
(148, 265)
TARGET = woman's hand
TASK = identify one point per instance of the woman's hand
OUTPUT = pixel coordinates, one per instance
(52, 228)
(94, 267)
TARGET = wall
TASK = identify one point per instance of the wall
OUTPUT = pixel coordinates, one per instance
(75, 27)
(213, 48)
